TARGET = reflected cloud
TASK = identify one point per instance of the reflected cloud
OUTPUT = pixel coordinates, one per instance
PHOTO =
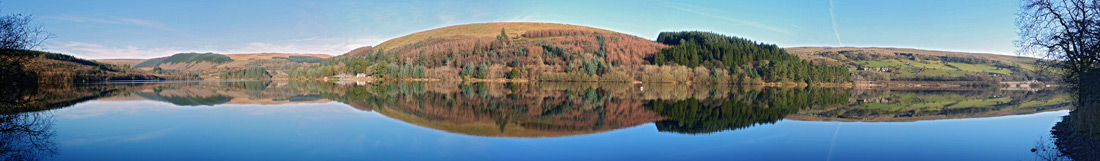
(120, 138)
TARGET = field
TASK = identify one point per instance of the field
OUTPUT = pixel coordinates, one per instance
(896, 64)
(201, 65)
(912, 105)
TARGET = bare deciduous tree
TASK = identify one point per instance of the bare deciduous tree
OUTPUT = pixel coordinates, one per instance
(18, 32)
(1067, 31)
(1064, 30)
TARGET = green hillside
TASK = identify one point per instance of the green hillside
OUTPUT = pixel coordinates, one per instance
(220, 66)
(912, 105)
(186, 58)
(892, 64)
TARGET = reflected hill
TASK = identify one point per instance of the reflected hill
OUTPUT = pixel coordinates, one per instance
(47, 97)
(504, 110)
(546, 109)
(915, 105)
(216, 93)
(565, 109)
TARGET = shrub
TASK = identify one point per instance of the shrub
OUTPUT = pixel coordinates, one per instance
(566, 77)
(514, 74)
(616, 77)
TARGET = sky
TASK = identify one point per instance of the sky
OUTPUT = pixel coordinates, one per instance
(147, 29)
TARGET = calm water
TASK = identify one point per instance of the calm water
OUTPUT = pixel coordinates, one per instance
(535, 121)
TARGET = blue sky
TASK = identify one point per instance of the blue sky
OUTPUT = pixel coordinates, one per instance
(146, 29)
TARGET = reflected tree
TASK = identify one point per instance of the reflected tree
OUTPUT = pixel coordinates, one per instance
(740, 110)
(27, 136)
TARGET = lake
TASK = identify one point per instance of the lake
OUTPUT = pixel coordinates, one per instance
(265, 120)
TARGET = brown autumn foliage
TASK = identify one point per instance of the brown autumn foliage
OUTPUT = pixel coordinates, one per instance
(501, 115)
(361, 51)
(532, 48)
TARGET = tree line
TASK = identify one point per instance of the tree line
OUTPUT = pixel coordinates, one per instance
(744, 57)
(252, 73)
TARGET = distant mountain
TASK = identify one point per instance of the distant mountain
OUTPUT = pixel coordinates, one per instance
(223, 66)
(182, 58)
(897, 64)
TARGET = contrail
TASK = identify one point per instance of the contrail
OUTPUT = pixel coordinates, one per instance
(836, 31)
(832, 144)
(749, 23)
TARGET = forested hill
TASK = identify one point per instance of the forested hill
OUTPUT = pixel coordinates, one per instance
(895, 64)
(745, 58)
(223, 66)
(186, 58)
(30, 68)
(560, 52)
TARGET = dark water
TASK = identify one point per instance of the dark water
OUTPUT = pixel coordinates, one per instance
(530, 121)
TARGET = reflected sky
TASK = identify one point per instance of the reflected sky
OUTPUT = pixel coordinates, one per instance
(151, 130)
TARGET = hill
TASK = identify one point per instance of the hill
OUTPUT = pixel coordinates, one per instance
(219, 66)
(32, 77)
(896, 64)
(54, 68)
(746, 59)
(493, 51)
(519, 51)
(186, 58)
(489, 30)
(122, 62)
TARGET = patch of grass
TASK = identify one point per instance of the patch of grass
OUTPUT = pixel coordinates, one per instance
(980, 68)
(980, 103)
(891, 63)
(932, 65)
(1052, 101)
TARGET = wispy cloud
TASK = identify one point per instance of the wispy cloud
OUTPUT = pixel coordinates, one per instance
(684, 7)
(99, 51)
(117, 21)
(309, 45)
(521, 18)
(836, 30)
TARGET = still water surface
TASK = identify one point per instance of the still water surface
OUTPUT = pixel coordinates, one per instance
(531, 121)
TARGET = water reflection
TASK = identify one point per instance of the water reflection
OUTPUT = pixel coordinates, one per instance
(735, 110)
(564, 109)
(27, 136)
(1077, 136)
(913, 105)
(551, 109)
(26, 132)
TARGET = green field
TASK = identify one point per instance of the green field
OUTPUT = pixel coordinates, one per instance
(927, 65)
